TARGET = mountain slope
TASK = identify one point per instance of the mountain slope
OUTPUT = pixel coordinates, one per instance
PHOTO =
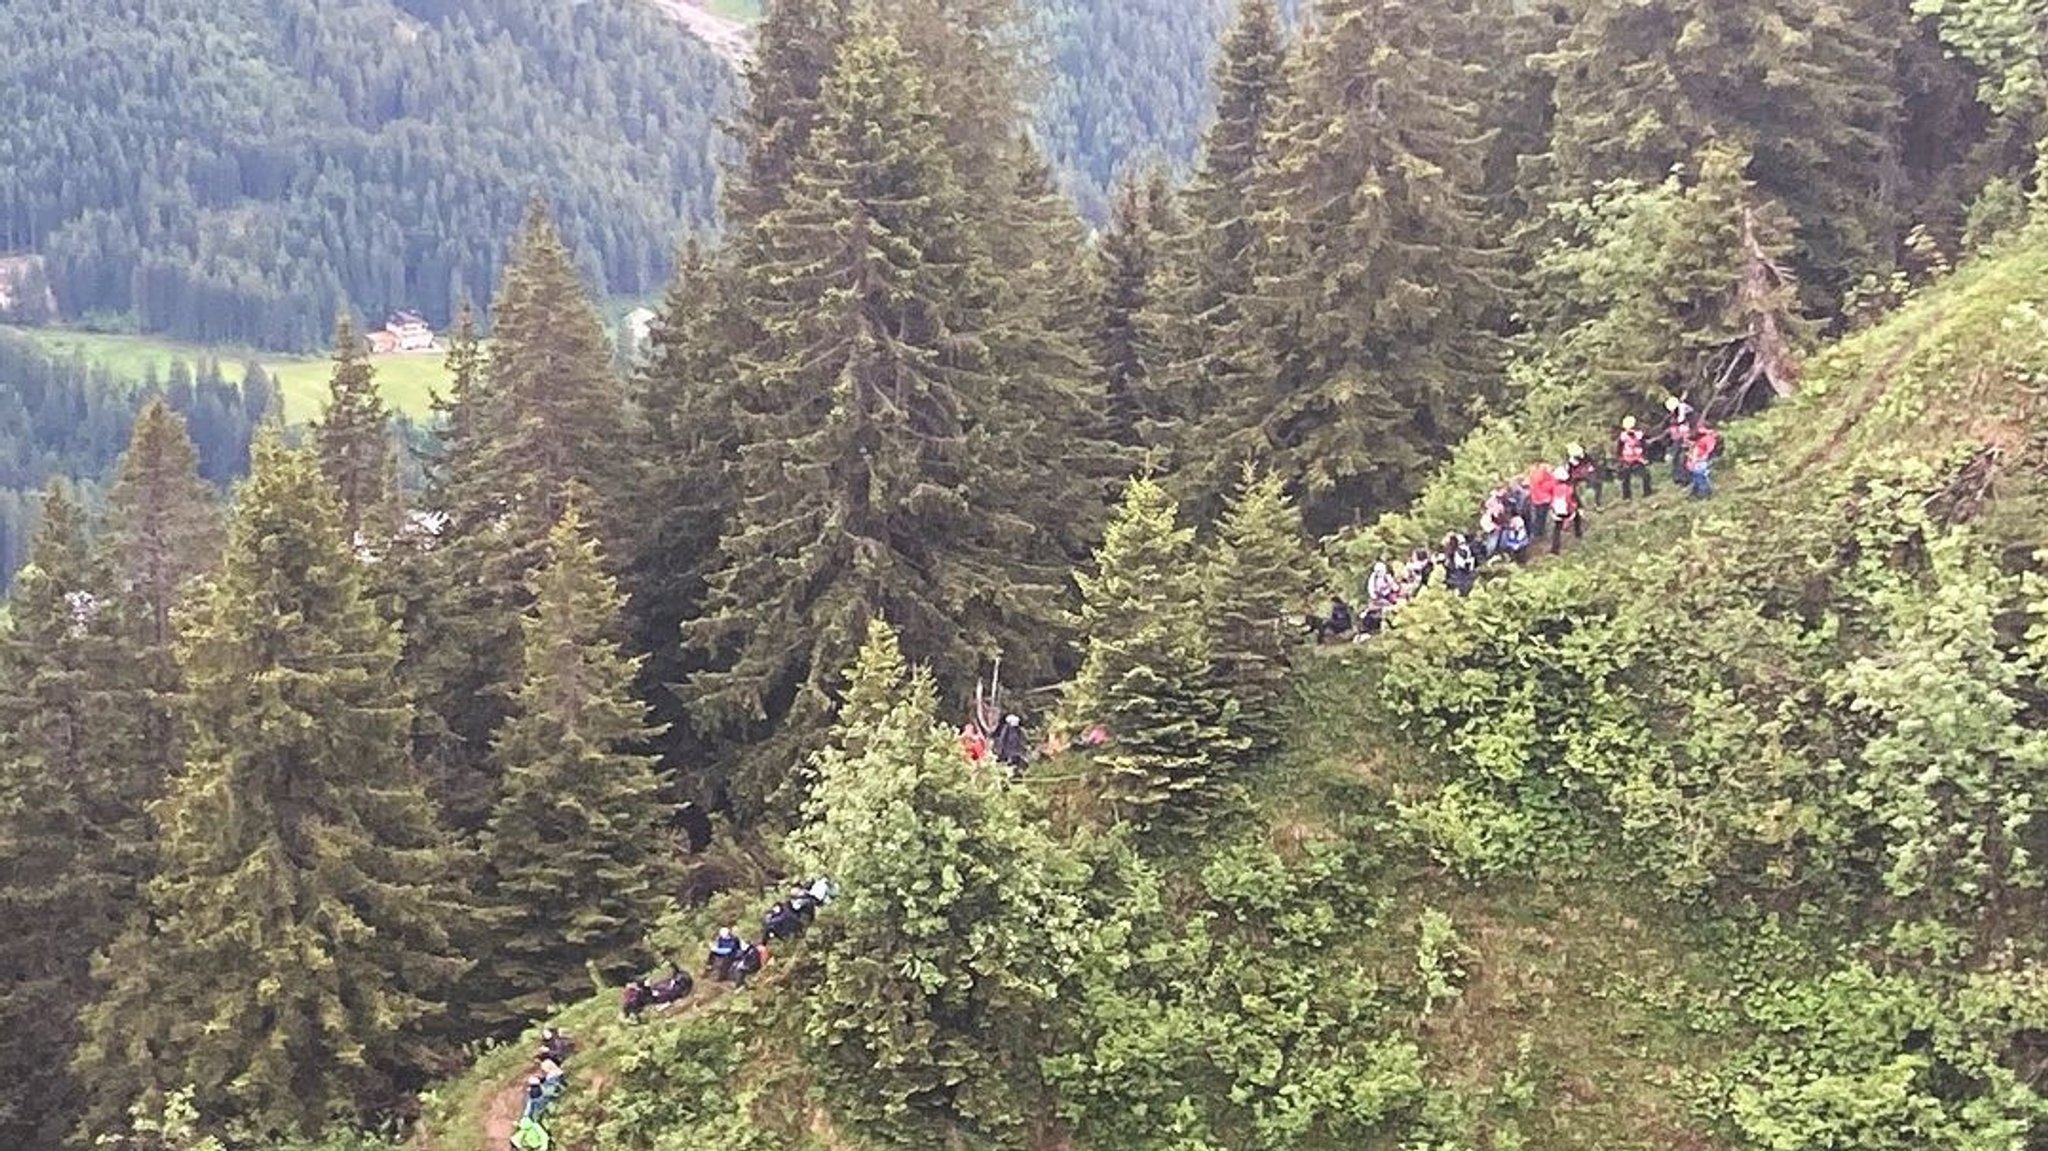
(232, 172)
(1640, 847)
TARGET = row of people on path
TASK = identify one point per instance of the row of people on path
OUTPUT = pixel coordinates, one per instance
(730, 957)
(543, 1087)
(1517, 513)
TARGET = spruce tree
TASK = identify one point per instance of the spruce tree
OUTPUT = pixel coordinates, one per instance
(1128, 276)
(1375, 273)
(1055, 458)
(297, 936)
(871, 430)
(574, 854)
(685, 397)
(353, 436)
(1212, 256)
(877, 683)
(1806, 87)
(162, 532)
(447, 615)
(795, 45)
(541, 415)
(1146, 669)
(953, 928)
(1258, 579)
(555, 418)
(74, 839)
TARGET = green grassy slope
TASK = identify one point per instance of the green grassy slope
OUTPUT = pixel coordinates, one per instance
(1598, 845)
(407, 380)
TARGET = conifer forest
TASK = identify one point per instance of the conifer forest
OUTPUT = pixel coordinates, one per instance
(1212, 575)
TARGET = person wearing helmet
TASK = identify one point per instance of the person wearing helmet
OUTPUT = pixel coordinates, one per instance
(1678, 431)
(537, 1098)
(1585, 474)
(1634, 453)
(1010, 744)
(1564, 510)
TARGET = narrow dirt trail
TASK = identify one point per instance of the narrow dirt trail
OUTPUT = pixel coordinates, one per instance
(503, 1116)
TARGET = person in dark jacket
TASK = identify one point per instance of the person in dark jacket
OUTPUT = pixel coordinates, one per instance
(1010, 745)
(781, 923)
(752, 958)
(724, 950)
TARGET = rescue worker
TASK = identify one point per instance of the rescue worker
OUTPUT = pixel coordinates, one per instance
(1515, 540)
(752, 958)
(1564, 511)
(1634, 453)
(537, 1098)
(781, 923)
(1584, 473)
(555, 1045)
(1338, 624)
(1492, 518)
(1382, 597)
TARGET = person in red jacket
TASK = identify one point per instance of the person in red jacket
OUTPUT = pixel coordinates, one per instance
(1699, 461)
(1542, 489)
(973, 744)
(1633, 453)
(1564, 511)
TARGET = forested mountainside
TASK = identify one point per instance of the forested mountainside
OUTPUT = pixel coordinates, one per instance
(235, 171)
(1706, 818)
(67, 419)
(1125, 86)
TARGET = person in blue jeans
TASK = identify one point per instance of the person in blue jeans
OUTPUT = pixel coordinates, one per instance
(1699, 462)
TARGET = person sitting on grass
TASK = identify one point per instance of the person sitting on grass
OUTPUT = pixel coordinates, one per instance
(724, 950)
(751, 959)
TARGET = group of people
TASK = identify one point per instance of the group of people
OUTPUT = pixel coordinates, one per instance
(543, 1087)
(1006, 743)
(1519, 512)
(732, 958)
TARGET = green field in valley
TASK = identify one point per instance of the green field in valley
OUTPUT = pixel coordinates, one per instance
(408, 380)
(746, 11)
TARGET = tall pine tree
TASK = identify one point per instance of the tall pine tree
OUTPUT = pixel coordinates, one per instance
(540, 416)
(1146, 669)
(1258, 579)
(685, 397)
(353, 436)
(1212, 258)
(1375, 274)
(162, 531)
(864, 420)
(574, 855)
(297, 938)
(1128, 282)
(75, 780)
(1805, 87)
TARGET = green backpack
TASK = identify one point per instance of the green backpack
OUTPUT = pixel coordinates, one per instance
(531, 1136)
